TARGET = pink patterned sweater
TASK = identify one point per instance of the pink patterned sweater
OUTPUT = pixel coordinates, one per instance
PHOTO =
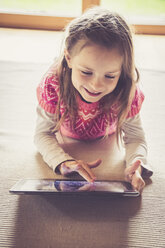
(90, 120)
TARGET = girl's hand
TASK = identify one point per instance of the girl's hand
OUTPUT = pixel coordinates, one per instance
(133, 175)
(81, 167)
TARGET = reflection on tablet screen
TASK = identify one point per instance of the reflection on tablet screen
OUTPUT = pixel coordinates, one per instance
(73, 186)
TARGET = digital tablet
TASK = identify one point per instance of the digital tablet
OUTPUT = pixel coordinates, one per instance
(81, 187)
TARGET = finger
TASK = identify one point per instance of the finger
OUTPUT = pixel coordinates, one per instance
(128, 177)
(83, 172)
(132, 168)
(86, 167)
(138, 182)
(139, 187)
(89, 171)
(79, 167)
(95, 163)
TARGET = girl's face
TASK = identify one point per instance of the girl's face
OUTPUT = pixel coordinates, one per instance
(95, 70)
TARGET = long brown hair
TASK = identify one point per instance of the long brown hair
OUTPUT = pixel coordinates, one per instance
(110, 30)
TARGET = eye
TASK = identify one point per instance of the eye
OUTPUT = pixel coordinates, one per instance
(88, 73)
(110, 77)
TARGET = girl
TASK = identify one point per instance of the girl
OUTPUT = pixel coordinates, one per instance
(91, 91)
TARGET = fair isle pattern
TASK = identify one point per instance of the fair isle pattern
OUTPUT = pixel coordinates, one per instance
(92, 127)
(90, 121)
(86, 115)
(47, 92)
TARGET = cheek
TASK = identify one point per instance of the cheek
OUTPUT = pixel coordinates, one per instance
(113, 85)
(75, 77)
(78, 79)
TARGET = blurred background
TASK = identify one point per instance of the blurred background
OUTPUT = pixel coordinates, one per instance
(15, 13)
(141, 9)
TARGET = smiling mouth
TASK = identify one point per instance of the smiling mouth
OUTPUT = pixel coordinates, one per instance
(92, 93)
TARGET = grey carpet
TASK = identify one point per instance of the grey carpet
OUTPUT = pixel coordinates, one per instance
(97, 222)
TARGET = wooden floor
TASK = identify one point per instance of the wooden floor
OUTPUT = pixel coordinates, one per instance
(42, 46)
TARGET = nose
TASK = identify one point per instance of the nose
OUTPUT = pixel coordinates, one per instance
(97, 84)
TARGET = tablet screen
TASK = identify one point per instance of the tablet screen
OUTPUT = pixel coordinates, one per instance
(71, 186)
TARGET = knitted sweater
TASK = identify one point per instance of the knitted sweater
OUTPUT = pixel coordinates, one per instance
(90, 124)
(90, 121)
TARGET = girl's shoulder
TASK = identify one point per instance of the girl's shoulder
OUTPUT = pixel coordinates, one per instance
(136, 102)
(48, 91)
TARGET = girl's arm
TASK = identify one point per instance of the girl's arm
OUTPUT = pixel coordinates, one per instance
(135, 144)
(47, 144)
(46, 141)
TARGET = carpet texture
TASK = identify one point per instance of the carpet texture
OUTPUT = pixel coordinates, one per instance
(96, 222)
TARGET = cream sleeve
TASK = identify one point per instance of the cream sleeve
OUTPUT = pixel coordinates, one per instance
(135, 144)
(48, 146)
(46, 141)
